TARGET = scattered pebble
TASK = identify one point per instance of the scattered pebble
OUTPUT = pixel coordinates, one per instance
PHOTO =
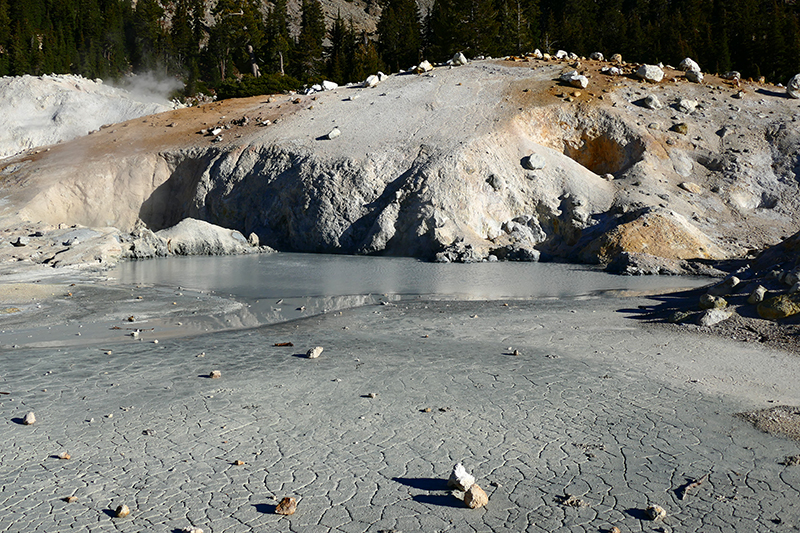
(238, 462)
(70, 499)
(64, 455)
(215, 374)
(122, 511)
(29, 419)
(192, 530)
(287, 506)
(372, 395)
(655, 512)
(475, 497)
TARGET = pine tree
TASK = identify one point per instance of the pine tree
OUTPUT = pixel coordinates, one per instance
(399, 35)
(278, 43)
(309, 62)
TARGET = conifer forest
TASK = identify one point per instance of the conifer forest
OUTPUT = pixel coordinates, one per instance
(213, 46)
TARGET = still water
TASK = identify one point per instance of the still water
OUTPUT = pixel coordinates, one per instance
(286, 275)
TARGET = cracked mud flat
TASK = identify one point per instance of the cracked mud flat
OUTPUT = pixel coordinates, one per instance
(596, 406)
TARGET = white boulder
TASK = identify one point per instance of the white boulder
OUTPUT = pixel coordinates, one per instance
(575, 79)
(793, 87)
(372, 81)
(458, 60)
(694, 76)
(329, 85)
(460, 479)
(650, 73)
(688, 65)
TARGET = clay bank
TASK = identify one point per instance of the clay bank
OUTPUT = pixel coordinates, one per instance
(489, 160)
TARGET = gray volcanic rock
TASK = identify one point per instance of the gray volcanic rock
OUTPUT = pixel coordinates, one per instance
(197, 237)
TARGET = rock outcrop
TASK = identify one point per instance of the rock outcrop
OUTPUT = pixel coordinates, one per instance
(473, 163)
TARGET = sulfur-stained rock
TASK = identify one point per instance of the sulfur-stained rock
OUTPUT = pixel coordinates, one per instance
(475, 497)
(655, 512)
(29, 419)
(70, 499)
(460, 479)
(287, 506)
(313, 353)
(122, 511)
(780, 306)
(64, 456)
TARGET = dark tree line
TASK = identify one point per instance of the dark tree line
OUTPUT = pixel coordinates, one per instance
(755, 37)
(210, 47)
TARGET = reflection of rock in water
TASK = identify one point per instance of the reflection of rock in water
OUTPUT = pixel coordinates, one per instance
(781, 420)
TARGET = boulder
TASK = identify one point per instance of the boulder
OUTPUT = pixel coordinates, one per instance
(686, 105)
(423, 67)
(382, 77)
(616, 58)
(650, 73)
(314, 353)
(122, 511)
(725, 287)
(793, 87)
(30, 419)
(781, 306)
(197, 237)
(574, 79)
(533, 162)
(596, 56)
(537, 54)
(329, 85)
(287, 506)
(689, 65)
(562, 54)
(651, 101)
(711, 317)
(709, 301)
(757, 296)
(732, 75)
(460, 479)
(694, 76)
(475, 497)
(458, 60)
(372, 81)
(690, 186)
(335, 132)
(253, 240)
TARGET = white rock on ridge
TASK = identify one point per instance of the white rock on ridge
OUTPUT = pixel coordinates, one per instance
(329, 85)
(596, 56)
(650, 73)
(423, 67)
(371, 81)
(689, 64)
(793, 86)
(537, 54)
(562, 54)
(575, 79)
(694, 76)
(458, 60)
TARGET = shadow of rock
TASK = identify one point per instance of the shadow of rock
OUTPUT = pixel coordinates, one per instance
(266, 508)
(442, 500)
(422, 483)
(639, 514)
(19, 421)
